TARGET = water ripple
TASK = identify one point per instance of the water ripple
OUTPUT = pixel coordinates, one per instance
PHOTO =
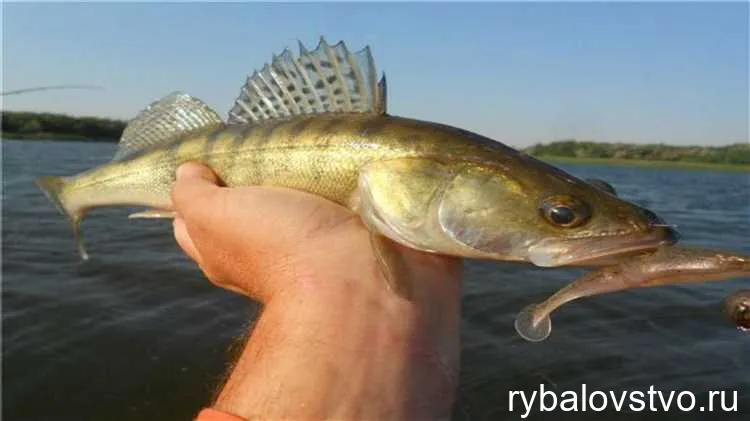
(137, 332)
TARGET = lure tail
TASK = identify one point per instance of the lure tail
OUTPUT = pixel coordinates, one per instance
(54, 187)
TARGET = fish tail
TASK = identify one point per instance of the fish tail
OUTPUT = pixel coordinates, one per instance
(53, 188)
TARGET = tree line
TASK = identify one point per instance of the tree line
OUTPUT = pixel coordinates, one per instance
(23, 125)
(736, 154)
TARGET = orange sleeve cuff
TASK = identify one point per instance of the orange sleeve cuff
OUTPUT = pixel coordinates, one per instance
(210, 414)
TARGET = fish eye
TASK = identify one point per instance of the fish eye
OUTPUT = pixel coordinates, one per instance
(565, 211)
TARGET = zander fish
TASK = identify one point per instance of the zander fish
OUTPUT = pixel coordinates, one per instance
(666, 266)
(317, 122)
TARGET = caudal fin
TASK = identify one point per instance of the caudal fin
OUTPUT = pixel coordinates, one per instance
(53, 188)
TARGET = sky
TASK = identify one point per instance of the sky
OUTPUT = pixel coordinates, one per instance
(520, 73)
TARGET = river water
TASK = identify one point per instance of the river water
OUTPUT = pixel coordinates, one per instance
(137, 333)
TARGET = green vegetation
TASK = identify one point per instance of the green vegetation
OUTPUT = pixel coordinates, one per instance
(737, 155)
(29, 125)
(643, 163)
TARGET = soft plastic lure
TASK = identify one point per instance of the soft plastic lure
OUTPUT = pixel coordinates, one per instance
(737, 308)
(666, 266)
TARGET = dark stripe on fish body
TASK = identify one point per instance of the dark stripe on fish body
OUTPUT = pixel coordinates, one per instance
(268, 131)
(256, 165)
(172, 156)
(170, 159)
(174, 148)
(332, 124)
(320, 159)
(263, 136)
(208, 146)
(259, 158)
(271, 131)
(239, 140)
(270, 136)
(411, 141)
(221, 150)
(319, 164)
(373, 127)
(296, 130)
(410, 138)
(244, 135)
(329, 129)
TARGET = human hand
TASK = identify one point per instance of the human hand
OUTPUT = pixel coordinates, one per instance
(333, 341)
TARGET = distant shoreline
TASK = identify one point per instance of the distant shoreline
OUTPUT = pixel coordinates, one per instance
(24, 125)
(55, 137)
(646, 163)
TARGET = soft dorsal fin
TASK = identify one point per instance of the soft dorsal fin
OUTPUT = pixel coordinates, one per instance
(327, 79)
(163, 120)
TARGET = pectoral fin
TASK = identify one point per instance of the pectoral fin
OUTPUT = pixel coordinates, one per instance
(392, 265)
(152, 214)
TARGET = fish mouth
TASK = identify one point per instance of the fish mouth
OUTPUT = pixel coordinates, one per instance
(599, 251)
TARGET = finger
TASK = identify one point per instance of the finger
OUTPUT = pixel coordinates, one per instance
(186, 243)
(196, 171)
(183, 239)
(194, 191)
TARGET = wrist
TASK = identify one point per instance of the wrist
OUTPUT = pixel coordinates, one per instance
(365, 353)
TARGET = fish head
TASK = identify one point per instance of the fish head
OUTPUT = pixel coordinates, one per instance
(542, 215)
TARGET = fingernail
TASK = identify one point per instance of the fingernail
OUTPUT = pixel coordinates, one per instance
(180, 231)
(188, 170)
(183, 239)
(196, 170)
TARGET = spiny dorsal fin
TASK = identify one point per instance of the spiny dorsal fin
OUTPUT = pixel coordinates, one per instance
(163, 120)
(381, 96)
(327, 79)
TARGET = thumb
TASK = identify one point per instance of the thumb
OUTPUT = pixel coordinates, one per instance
(196, 197)
(195, 187)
